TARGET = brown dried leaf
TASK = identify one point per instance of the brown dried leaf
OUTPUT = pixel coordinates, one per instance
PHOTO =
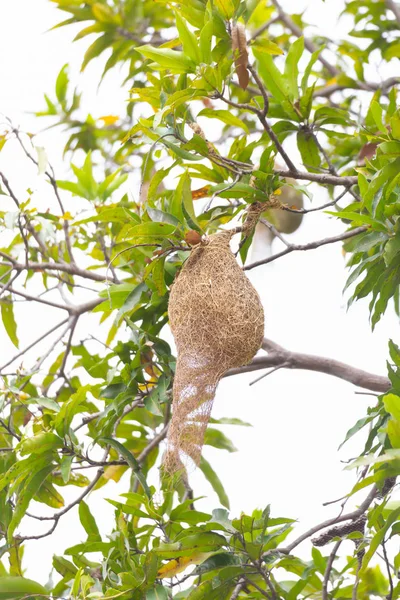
(239, 47)
(201, 192)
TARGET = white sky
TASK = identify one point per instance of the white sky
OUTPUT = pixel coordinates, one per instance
(289, 457)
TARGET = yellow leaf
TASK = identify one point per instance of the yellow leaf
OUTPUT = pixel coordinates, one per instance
(103, 13)
(177, 565)
(114, 472)
(109, 119)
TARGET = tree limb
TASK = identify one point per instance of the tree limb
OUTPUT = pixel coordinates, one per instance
(72, 269)
(351, 516)
(297, 31)
(310, 246)
(321, 178)
(328, 570)
(391, 5)
(278, 356)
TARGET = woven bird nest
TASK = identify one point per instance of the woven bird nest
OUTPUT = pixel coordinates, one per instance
(217, 321)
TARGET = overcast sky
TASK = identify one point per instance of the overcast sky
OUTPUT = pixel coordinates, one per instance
(289, 457)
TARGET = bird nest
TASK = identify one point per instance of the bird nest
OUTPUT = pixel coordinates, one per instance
(217, 321)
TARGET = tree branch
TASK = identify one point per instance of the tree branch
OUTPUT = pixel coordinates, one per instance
(391, 5)
(321, 178)
(51, 177)
(328, 570)
(42, 337)
(297, 31)
(351, 516)
(72, 269)
(310, 246)
(238, 588)
(278, 356)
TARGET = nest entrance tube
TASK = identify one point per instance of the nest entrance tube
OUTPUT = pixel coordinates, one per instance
(217, 321)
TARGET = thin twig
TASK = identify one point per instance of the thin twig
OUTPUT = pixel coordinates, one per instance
(389, 571)
(238, 588)
(296, 30)
(56, 517)
(352, 516)
(328, 570)
(51, 177)
(42, 337)
(62, 267)
(258, 588)
(73, 324)
(6, 286)
(40, 300)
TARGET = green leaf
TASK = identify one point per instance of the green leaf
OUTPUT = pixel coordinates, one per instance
(378, 537)
(226, 8)
(188, 39)
(380, 180)
(132, 301)
(62, 84)
(267, 46)
(217, 439)
(273, 78)
(392, 405)
(307, 70)
(30, 489)
(157, 593)
(168, 59)
(117, 214)
(392, 249)
(355, 429)
(49, 495)
(205, 42)
(187, 202)
(225, 116)
(95, 49)
(131, 460)
(64, 567)
(151, 230)
(65, 467)
(377, 113)
(393, 431)
(10, 325)
(88, 522)
(214, 480)
(159, 216)
(198, 542)
(21, 467)
(48, 403)
(19, 587)
(358, 219)
(69, 409)
(230, 421)
(181, 152)
(291, 66)
(40, 443)
(308, 149)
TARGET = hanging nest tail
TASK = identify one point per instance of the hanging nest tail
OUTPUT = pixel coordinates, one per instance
(217, 321)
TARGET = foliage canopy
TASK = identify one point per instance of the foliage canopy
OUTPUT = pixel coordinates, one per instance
(280, 95)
